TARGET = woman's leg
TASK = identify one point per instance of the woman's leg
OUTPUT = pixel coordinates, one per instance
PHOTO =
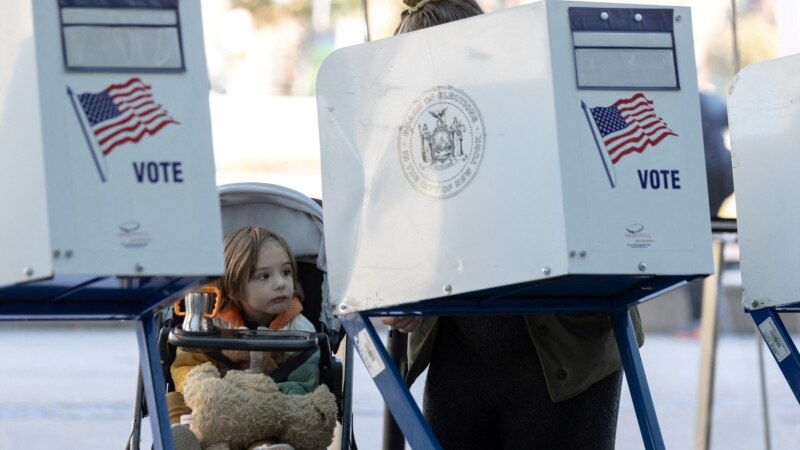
(586, 421)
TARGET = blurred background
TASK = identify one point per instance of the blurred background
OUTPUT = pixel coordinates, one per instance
(263, 56)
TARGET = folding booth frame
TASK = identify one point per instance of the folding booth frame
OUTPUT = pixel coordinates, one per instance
(526, 299)
(109, 298)
(773, 331)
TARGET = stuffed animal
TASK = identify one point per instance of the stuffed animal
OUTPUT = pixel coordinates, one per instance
(244, 408)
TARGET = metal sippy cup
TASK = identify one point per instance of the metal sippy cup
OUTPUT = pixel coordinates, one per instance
(201, 306)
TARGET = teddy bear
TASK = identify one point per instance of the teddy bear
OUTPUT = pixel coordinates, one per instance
(244, 408)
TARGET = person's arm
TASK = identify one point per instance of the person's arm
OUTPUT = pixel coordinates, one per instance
(404, 324)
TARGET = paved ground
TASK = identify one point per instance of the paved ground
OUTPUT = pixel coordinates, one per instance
(72, 386)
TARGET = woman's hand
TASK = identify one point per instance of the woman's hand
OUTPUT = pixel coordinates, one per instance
(404, 324)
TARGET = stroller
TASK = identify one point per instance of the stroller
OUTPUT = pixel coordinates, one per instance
(298, 219)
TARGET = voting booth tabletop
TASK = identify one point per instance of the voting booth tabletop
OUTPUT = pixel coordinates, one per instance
(91, 298)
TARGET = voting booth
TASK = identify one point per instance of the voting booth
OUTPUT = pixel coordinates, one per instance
(107, 162)
(763, 115)
(551, 152)
(556, 139)
(107, 178)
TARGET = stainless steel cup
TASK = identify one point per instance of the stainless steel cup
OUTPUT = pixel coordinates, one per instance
(199, 307)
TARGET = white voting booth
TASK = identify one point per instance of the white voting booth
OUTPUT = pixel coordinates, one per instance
(548, 151)
(763, 114)
(107, 163)
(107, 175)
(525, 188)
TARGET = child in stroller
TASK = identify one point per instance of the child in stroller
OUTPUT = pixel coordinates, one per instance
(259, 290)
(298, 220)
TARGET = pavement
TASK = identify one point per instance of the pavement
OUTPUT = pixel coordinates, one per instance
(72, 385)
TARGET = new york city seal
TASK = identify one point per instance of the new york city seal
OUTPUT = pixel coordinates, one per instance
(442, 142)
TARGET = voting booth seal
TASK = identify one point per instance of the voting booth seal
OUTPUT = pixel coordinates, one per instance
(442, 142)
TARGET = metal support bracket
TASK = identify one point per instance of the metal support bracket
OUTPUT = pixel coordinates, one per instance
(405, 410)
(780, 343)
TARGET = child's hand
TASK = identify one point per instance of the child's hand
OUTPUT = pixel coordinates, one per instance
(262, 362)
(404, 324)
(269, 363)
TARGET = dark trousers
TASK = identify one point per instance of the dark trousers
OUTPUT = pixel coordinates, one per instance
(500, 401)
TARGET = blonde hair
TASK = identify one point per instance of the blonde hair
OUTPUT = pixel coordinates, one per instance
(241, 256)
(427, 13)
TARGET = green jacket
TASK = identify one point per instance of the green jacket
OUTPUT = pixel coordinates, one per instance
(576, 350)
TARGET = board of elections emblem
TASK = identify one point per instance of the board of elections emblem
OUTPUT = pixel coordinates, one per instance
(442, 142)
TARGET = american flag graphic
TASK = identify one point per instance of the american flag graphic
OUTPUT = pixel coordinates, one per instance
(629, 125)
(123, 113)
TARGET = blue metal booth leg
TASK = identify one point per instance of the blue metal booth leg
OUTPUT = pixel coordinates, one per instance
(637, 381)
(153, 379)
(408, 416)
(386, 377)
(774, 332)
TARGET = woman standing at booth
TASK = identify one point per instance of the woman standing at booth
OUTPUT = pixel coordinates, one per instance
(538, 381)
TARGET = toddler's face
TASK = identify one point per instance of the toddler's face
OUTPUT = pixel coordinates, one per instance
(272, 286)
